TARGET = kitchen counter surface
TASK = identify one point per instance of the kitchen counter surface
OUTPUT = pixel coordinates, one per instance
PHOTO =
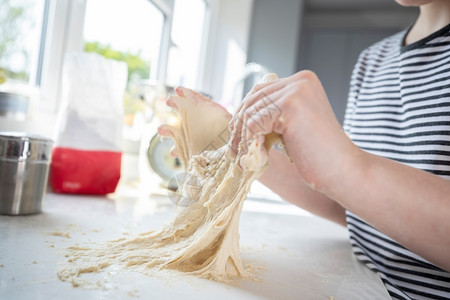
(301, 256)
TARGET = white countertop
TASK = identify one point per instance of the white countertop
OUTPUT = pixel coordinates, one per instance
(303, 257)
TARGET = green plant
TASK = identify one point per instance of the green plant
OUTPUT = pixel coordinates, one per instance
(15, 20)
(2, 76)
(138, 68)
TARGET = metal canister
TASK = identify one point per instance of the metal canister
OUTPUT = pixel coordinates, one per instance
(13, 105)
(24, 167)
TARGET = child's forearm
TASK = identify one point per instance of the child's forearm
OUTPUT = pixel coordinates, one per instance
(409, 205)
(282, 178)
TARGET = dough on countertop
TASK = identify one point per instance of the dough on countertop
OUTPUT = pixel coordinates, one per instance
(202, 238)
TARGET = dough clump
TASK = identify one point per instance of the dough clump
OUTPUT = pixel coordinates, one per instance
(203, 236)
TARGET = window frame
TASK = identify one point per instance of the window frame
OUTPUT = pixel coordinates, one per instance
(36, 78)
(166, 7)
(65, 19)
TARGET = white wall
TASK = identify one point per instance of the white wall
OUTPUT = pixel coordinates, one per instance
(275, 35)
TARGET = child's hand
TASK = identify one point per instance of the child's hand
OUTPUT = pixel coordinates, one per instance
(298, 109)
(204, 124)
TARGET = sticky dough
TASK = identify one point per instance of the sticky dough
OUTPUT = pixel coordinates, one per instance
(202, 238)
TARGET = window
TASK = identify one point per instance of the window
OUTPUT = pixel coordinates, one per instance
(135, 32)
(137, 37)
(125, 30)
(186, 43)
(161, 40)
(20, 39)
(129, 31)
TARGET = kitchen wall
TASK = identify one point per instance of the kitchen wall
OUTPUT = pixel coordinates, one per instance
(332, 39)
(275, 37)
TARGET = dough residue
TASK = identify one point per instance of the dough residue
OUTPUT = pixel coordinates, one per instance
(59, 233)
(203, 236)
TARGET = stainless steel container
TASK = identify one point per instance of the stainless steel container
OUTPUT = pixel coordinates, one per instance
(13, 105)
(24, 165)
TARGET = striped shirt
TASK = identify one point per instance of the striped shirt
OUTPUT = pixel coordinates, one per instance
(399, 108)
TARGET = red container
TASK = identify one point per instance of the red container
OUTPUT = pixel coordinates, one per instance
(84, 171)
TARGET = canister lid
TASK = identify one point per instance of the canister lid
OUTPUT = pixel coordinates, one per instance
(24, 146)
(13, 103)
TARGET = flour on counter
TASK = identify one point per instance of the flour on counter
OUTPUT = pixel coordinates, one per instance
(202, 239)
(59, 233)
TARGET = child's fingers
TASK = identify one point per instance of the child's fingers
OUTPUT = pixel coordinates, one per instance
(165, 130)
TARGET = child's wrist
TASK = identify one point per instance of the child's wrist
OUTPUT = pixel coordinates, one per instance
(349, 174)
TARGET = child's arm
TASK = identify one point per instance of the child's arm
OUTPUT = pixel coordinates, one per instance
(407, 204)
(282, 177)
